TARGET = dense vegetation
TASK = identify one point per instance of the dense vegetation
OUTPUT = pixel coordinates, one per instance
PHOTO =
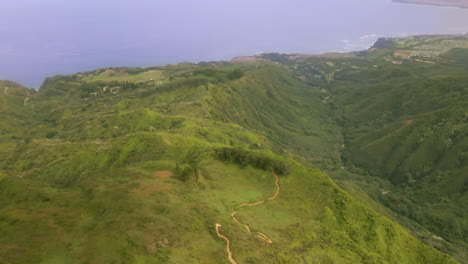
(403, 119)
(137, 165)
(254, 159)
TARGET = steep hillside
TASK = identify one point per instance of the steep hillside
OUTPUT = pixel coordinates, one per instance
(13, 98)
(402, 109)
(15, 117)
(410, 127)
(150, 165)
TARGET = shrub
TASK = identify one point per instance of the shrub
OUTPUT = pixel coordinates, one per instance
(189, 164)
(235, 74)
(51, 134)
(257, 160)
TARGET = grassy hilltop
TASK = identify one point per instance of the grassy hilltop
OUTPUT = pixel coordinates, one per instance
(138, 165)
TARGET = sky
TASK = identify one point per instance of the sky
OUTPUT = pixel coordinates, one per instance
(40, 38)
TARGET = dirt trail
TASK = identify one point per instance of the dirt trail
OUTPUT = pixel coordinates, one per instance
(166, 141)
(228, 244)
(257, 234)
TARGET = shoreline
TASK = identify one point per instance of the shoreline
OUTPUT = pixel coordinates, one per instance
(433, 3)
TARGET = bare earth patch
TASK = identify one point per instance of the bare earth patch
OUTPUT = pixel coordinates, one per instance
(163, 174)
(409, 121)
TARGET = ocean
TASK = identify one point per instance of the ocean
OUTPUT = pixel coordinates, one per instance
(49, 37)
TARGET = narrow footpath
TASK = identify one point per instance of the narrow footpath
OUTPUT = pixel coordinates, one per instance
(259, 235)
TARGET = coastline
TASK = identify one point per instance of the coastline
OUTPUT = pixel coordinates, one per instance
(457, 4)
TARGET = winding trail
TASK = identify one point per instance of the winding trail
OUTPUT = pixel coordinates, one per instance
(228, 244)
(259, 235)
(166, 141)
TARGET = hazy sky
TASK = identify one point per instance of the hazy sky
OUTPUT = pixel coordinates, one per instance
(40, 38)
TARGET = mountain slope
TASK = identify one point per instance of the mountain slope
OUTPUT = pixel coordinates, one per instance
(401, 108)
(411, 129)
(139, 165)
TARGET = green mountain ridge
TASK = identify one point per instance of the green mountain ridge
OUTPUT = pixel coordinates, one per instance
(138, 165)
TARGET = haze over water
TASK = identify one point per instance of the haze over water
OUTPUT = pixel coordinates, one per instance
(49, 37)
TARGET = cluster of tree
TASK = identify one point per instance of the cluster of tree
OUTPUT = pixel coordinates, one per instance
(88, 88)
(125, 85)
(189, 163)
(220, 75)
(235, 74)
(254, 159)
(135, 70)
(208, 73)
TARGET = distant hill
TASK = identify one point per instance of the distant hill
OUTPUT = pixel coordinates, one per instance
(454, 3)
